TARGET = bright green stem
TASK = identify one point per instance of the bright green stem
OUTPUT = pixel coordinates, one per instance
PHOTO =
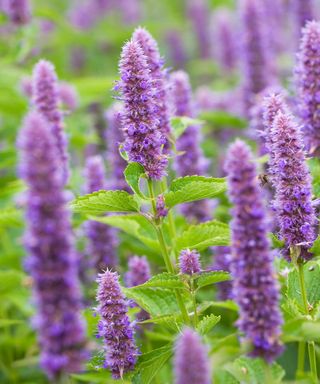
(194, 302)
(165, 254)
(172, 227)
(311, 346)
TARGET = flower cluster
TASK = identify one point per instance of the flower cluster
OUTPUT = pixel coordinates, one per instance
(52, 260)
(102, 239)
(114, 326)
(191, 363)
(19, 11)
(143, 139)
(45, 94)
(308, 85)
(254, 286)
(189, 262)
(158, 75)
(292, 181)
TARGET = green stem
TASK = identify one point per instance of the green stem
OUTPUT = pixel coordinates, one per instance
(194, 302)
(311, 346)
(172, 227)
(165, 254)
(301, 358)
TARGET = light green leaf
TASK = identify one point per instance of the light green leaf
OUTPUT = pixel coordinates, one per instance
(228, 304)
(10, 280)
(315, 249)
(212, 277)
(149, 364)
(192, 188)
(312, 277)
(180, 123)
(219, 119)
(164, 280)
(133, 224)
(156, 301)
(10, 217)
(207, 323)
(255, 371)
(132, 174)
(9, 322)
(202, 236)
(105, 201)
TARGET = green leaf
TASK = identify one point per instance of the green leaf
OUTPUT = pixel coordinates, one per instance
(10, 280)
(202, 236)
(133, 224)
(9, 322)
(207, 323)
(150, 363)
(164, 280)
(276, 242)
(212, 277)
(132, 174)
(105, 201)
(315, 249)
(10, 217)
(220, 119)
(255, 371)
(192, 188)
(156, 301)
(228, 304)
(180, 123)
(311, 272)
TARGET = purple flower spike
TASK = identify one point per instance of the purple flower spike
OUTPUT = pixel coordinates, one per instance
(19, 11)
(139, 271)
(303, 11)
(292, 181)
(256, 55)
(143, 139)
(114, 326)
(189, 262)
(191, 362)
(308, 85)
(52, 260)
(114, 139)
(191, 160)
(225, 40)
(255, 289)
(198, 13)
(158, 75)
(271, 106)
(102, 239)
(46, 100)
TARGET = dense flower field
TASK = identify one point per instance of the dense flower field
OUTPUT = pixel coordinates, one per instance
(159, 191)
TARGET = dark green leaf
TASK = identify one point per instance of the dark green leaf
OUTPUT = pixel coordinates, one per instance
(212, 277)
(164, 280)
